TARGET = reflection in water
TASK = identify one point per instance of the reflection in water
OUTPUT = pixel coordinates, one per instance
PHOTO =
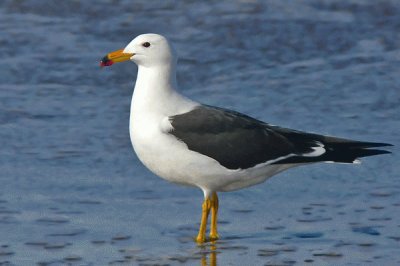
(209, 251)
(212, 259)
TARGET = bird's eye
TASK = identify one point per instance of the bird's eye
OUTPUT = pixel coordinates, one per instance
(146, 44)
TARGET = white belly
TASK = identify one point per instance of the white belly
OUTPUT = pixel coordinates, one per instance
(166, 156)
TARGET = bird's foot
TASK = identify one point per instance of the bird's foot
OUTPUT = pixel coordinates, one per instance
(214, 236)
(200, 239)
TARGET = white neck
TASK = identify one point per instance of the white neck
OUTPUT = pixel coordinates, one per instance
(155, 92)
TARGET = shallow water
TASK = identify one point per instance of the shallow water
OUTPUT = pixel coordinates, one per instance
(73, 192)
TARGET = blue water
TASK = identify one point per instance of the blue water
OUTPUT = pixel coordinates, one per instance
(74, 193)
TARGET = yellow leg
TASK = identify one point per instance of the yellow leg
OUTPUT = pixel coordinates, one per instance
(201, 237)
(214, 212)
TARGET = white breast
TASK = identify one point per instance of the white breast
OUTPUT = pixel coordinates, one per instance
(152, 104)
(162, 153)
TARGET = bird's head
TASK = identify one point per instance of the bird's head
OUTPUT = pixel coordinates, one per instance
(145, 50)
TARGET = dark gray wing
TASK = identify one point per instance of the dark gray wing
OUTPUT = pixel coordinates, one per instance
(233, 139)
(239, 141)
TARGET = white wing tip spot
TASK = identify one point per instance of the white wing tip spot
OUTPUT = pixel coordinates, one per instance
(317, 150)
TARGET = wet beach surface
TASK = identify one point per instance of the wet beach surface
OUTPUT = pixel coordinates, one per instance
(73, 192)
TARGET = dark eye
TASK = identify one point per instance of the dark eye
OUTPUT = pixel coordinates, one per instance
(146, 44)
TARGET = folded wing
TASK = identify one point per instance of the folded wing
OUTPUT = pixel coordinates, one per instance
(238, 141)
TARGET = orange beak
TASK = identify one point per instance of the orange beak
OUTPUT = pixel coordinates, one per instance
(115, 57)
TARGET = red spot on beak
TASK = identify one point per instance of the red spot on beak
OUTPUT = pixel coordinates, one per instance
(106, 62)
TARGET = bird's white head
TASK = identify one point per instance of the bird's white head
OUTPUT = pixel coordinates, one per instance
(145, 50)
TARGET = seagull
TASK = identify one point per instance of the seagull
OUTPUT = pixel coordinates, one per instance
(212, 148)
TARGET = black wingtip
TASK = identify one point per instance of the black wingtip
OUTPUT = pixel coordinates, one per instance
(366, 145)
(378, 144)
(371, 152)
